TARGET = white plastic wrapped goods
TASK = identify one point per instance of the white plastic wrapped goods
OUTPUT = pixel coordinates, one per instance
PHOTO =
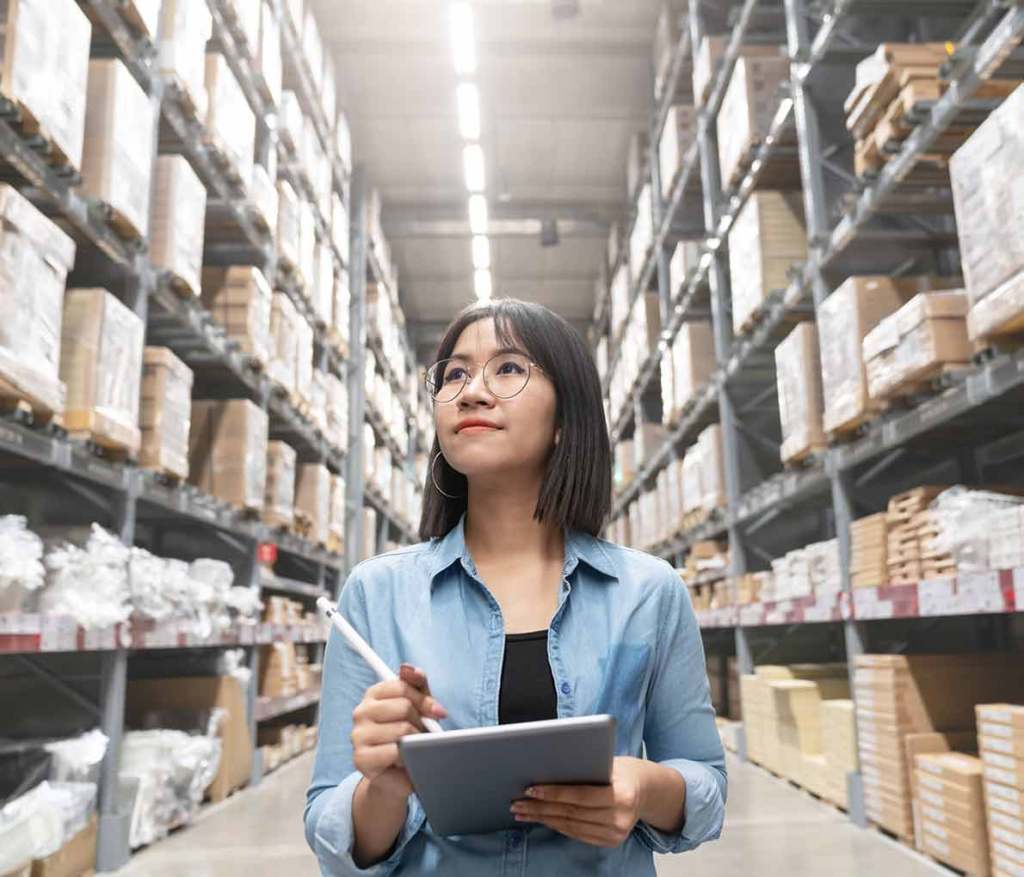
(337, 411)
(798, 374)
(89, 583)
(40, 822)
(988, 195)
(291, 126)
(186, 26)
(343, 142)
(178, 221)
(117, 159)
(313, 500)
(284, 342)
(230, 121)
(268, 62)
(313, 47)
(279, 497)
(165, 413)
(22, 574)
(712, 464)
(342, 303)
(44, 45)
(965, 517)
(642, 236)
(307, 246)
(77, 759)
(684, 262)
(263, 194)
(329, 91)
(101, 363)
(35, 257)
(289, 225)
(693, 361)
(173, 770)
(340, 227)
(323, 284)
(303, 359)
(677, 137)
(336, 524)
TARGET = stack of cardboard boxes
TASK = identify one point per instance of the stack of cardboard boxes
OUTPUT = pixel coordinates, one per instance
(798, 374)
(839, 747)
(1001, 741)
(950, 810)
(904, 522)
(869, 550)
(165, 415)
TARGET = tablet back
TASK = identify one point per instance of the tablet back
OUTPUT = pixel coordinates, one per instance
(468, 779)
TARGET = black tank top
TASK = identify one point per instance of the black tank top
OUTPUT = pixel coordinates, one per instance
(527, 687)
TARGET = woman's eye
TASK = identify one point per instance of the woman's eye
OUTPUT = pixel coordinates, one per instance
(454, 374)
(510, 368)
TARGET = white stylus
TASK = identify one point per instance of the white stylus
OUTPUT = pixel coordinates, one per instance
(383, 671)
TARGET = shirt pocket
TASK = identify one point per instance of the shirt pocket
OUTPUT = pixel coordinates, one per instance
(623, 675)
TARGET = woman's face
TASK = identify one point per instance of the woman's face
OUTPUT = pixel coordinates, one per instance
(516, 434)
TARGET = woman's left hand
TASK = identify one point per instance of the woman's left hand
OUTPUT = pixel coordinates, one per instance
(599, 815)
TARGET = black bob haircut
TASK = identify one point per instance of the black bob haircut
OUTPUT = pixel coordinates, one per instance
(577, 485)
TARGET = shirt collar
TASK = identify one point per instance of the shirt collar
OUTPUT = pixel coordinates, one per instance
(579, 546)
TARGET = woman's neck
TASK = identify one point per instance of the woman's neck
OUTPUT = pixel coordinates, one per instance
(500, 525)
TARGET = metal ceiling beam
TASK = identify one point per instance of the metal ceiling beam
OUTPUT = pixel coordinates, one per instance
(506, 220)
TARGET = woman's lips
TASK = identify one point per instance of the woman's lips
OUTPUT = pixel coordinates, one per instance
(474, 430)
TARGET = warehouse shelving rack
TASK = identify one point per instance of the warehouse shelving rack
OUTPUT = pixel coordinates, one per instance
(970, 431)
(55, 480)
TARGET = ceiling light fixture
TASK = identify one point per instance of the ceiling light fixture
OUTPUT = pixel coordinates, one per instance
(467, 98)
(478, 214)
(482, 285)
(463, 39)
(481, 252)
(473, 167)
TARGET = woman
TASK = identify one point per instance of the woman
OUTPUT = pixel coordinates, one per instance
(518, 612)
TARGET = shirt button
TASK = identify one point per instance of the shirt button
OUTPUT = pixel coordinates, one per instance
(566, 688)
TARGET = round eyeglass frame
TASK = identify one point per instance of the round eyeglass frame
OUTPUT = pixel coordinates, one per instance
(530, 365)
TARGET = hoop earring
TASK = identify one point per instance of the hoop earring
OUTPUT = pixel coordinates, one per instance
(433, 477)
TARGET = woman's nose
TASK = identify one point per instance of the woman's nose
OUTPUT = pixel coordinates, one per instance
(476, 391)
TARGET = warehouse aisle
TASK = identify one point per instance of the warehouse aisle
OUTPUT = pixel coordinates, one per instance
(259, 834)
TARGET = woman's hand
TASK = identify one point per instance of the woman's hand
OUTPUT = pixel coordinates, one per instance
(389, 711)
(600, 815)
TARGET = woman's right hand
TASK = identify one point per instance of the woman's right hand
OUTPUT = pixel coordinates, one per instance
(387, 712)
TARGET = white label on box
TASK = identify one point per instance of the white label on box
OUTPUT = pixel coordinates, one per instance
(1008, 822)
(934, 596)
(1003, 761)
(930, 797)
(1005, 866)
(929, 766)
(936, 830)
(935, 814)
(992, 729)
(930, 782)
(937, 846)
(1000, 776)
(993, 713)
(866, 699)
(996, 745)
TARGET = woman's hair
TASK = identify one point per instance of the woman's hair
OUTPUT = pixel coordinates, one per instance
(576, 491)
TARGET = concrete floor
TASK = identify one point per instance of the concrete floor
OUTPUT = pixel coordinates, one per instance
(770, 826)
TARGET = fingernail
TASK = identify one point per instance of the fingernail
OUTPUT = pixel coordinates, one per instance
(533, 792)
(440, 711)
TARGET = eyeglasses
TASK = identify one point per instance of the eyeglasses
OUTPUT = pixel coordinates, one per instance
(505, 375)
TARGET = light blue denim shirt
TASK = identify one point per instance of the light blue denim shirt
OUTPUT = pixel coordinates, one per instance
(624, 640)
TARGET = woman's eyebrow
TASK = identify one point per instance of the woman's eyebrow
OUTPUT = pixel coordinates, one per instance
(466, 358)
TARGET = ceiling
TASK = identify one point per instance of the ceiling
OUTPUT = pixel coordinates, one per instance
(560, 100)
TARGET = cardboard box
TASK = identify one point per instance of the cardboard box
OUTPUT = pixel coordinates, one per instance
(202, 693)
(239, 299)
(766, 241)
(185, 28)
(230, 122)
(313, 501)
(1006, 746)
(798, 372)
(165, 413)
(75, 858)
(178, 222)
(712, 468)
(306, 268)
(678, 135)
(228, 451)
(44, 45)
(336, 521)
(1000, 312)
(693, 363)
(924, 337)
(1009, 715)
(748, 108)
(708, 58)
(844, 320)
(279, 497)
(117, 156)
(101, 364)
(35, 257)
(303, 362)
(284, 342)
(278, 670)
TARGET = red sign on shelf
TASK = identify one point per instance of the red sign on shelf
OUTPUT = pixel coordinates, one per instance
(266, 553)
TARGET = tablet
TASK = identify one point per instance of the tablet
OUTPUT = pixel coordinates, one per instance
(466, 780)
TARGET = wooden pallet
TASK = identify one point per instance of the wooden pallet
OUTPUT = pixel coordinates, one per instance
(26, 407)
(219, 156)
(807, 457)
(38, 136)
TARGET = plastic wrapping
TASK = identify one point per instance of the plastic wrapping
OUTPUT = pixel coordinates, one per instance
(676, 139)
(705, 62)
(337, 412)
(1001, 312)
(284, 342)
(336, 518)
(692, 481)
(186, 26)
(712, 477)
(44, 45)
(340, 230)
(35, 257)
(22, 573)
(341, 307)
(988, 196)
(307, 245)
(693, 361)
(766, 240)
(88, 583)
(289, 225)
(920, 339)
(318, 400)
(117, 157)
(230, 121)
(291, 124)
(279, 497)
(323, 284)
(263, 194)
(228, 451)
(642, 237)
(313, 500)
(313, 47)
(178, 221)
(748, 108)
(268, 61)
(77, 759)
(101, 364)
(165, 413)
(172, 769)
(43, 820)
(964, 520)
(801, 405)
(303, 360)
(239, 299)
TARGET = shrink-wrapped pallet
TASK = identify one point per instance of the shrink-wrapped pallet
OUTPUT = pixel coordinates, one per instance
(708, 58)
(313, 501)
(264, 198)
(693, 361)
(185, 28)
(303, 360)
(165, 414)
(340, 227)
(228, 451)
(678, 135)
(230, 121)
(268, 60)
(337, 412)
(712, 470)
(798, 374)
(177, 222)
(289, 226)
(340, 310)
(307, 247)
(239, 299)
(279, 496)
(322, 287)
(284, 342)
(336, 524)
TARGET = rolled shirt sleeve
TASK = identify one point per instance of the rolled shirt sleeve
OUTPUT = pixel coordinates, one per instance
(328, 816)
(679, 731)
